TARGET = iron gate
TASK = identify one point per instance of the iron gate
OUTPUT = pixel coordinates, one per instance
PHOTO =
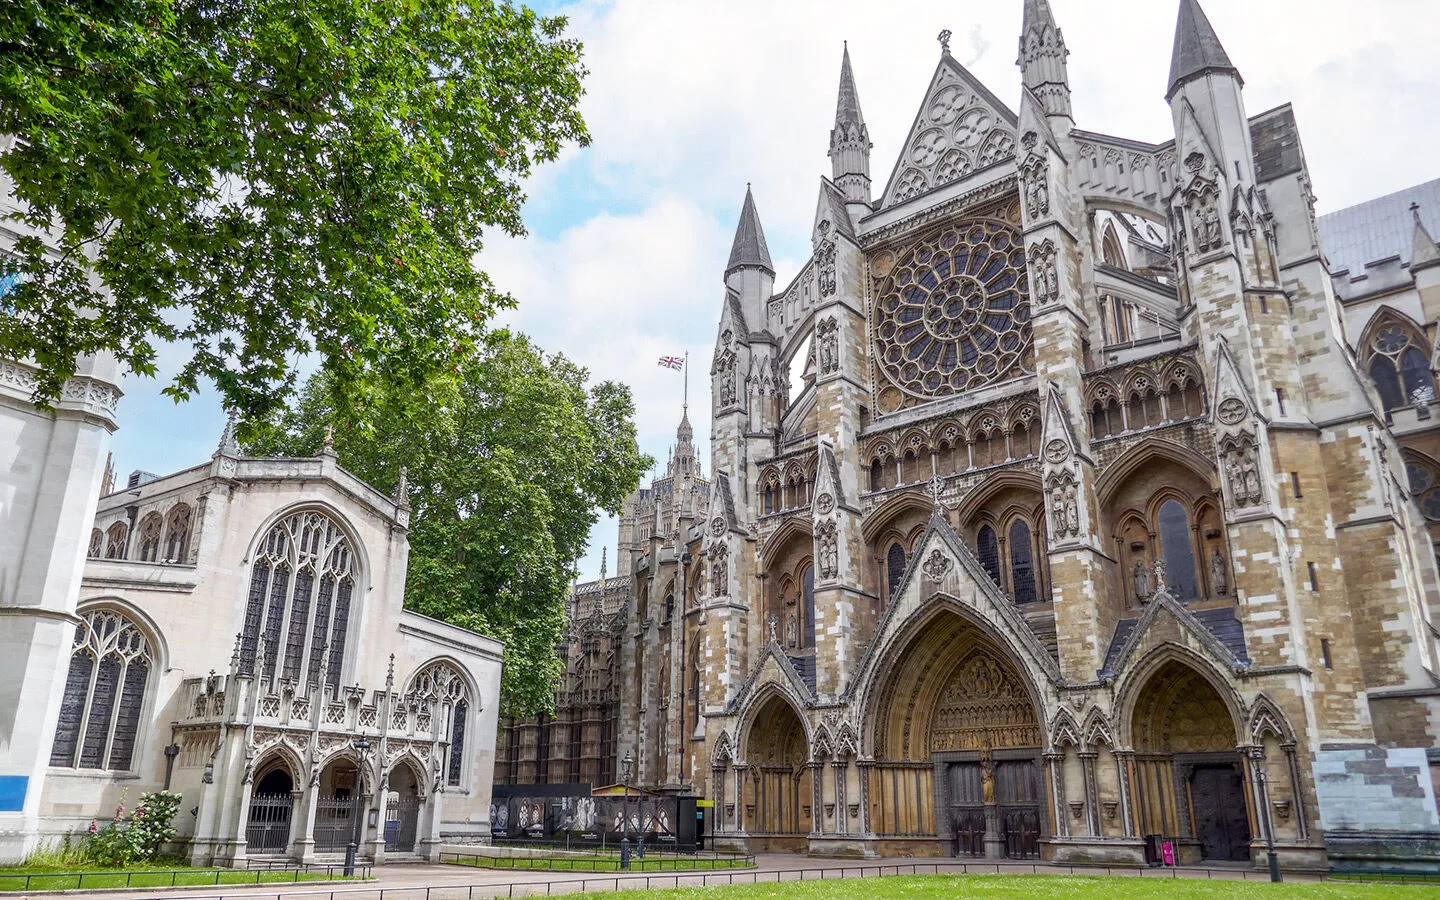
(268, 829)
(402, 815)
(334, 823)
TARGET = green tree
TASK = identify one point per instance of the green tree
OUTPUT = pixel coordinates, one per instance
(509, 457)
(257, 180)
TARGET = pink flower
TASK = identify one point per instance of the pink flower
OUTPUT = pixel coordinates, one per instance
(94, 828)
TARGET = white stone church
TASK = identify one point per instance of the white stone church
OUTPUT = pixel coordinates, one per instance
(233, 631)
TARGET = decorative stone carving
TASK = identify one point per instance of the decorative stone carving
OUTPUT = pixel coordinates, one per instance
(1057, 451)
(717, 527)
(936, 565)
(720, 569)
(1037, 187)
(829, 552)
(1243, 473)
(792, 631)
(1230, 411)
(1205, 220)
(1064, 506)
(1219, 577)
(827, 335)
(726, 365)
(1141, 578)
(825, 259)
(774, 622)
(1044, 276)
(937, 488)
(824, 504)
(1160, 586)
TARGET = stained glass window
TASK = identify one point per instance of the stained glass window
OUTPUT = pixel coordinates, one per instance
(284, 605)
(439, 684)
(1022, 563)
(954, 313)
(895, 569)
(989, 552)
(101, 706)
(1175, 546)
(1398, 357)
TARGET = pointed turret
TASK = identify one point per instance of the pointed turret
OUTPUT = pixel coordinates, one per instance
(1042, 59)
(1423, 252)
(749, 248)
(850, 139)
(1197, 48)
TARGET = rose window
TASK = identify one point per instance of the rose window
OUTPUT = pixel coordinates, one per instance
(954, 312)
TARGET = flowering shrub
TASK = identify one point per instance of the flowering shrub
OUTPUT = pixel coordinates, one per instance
(126, 840)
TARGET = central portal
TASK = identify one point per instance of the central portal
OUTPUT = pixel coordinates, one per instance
(958, 747)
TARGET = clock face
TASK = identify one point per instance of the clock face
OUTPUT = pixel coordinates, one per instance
(954, 312)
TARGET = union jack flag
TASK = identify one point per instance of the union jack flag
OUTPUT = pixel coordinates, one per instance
(672, 362)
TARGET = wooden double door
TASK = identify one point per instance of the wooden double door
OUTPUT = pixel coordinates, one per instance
(1217, 800)
(1009, 806)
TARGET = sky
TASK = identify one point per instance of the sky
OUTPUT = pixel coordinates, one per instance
(689, 100)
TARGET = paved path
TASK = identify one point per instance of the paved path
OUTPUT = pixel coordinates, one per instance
(451, 882)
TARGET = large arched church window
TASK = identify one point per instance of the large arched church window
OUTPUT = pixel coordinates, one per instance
(1400, 367)
(894, 569)
(104, 694)
(97, 544)
(439, 684)
(954, 312)
(301, 584)
(808, 600)
(988, 549)
(1177, 550)
(1022, 562)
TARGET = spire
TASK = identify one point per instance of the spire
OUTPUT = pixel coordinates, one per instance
(850, 139)
(603, 552)
(749, 248)
(1197, 49)
(229, 446)
(1042, 58)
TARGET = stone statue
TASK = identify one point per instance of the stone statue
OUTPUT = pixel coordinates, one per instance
(1252, 479)
(987, 778)
(1142, 580)
(774, 622)
(1160, 586)
(791, 633)
(1217, 571)
(1072, 512)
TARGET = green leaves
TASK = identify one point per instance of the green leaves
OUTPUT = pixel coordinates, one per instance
(259, 180)
(510, 457)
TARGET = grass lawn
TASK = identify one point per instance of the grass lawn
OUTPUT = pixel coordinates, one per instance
(1044, 887)
(59, 878)
(601, 862)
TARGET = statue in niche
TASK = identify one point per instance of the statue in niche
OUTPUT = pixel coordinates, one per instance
(1217, 571)
(1072, 512)
(1037, 191)
(727, 382)
(792, 637)
(719, 571)
(829, 551)
(1207, 224)
(1252, 478)
(987, 777)
(1141, 578)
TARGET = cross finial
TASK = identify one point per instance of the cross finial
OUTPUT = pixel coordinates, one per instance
(329, 437)
(1415, 211)
(937, 487)
(944, 39)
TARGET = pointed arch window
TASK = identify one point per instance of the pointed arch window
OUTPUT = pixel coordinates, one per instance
(894, 569)
(177, 534)
(1022, 563)
(97, 544)
(104, 694)
(115, 541)
(300, 588)
(1177, 551)
(150, 529)
(440, 685)
(1400, 367)
(808, 599)
(988, 549)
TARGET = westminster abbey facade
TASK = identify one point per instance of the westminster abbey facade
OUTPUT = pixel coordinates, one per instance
(1098, 514)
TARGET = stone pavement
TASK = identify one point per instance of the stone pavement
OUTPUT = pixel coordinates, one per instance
(451, 882)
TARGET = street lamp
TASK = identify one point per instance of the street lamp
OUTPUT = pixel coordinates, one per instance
(627, 768)
(1257, 760)
(361, 745)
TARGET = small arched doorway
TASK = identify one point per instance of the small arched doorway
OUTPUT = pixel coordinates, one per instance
(1190, 778)
(402, 809)
(777, 795)
(335, 806)
(272, 803)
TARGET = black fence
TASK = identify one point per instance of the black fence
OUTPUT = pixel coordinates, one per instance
(261, 874)
(606, 861)
(631, 881)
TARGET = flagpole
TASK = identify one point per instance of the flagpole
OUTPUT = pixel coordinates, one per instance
(685, 408)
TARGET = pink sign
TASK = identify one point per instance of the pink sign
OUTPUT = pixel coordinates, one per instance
(1167, 853)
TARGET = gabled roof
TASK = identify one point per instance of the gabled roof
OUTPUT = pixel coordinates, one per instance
(1197, 47)
(960, 128)
(749, 247)
(1379, 228)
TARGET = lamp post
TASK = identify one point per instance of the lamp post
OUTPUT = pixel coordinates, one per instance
(361, 745)
(627, 766)
(171, 751)
(1257, 761)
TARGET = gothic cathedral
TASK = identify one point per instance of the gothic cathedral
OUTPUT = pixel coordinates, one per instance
(1095, 518)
